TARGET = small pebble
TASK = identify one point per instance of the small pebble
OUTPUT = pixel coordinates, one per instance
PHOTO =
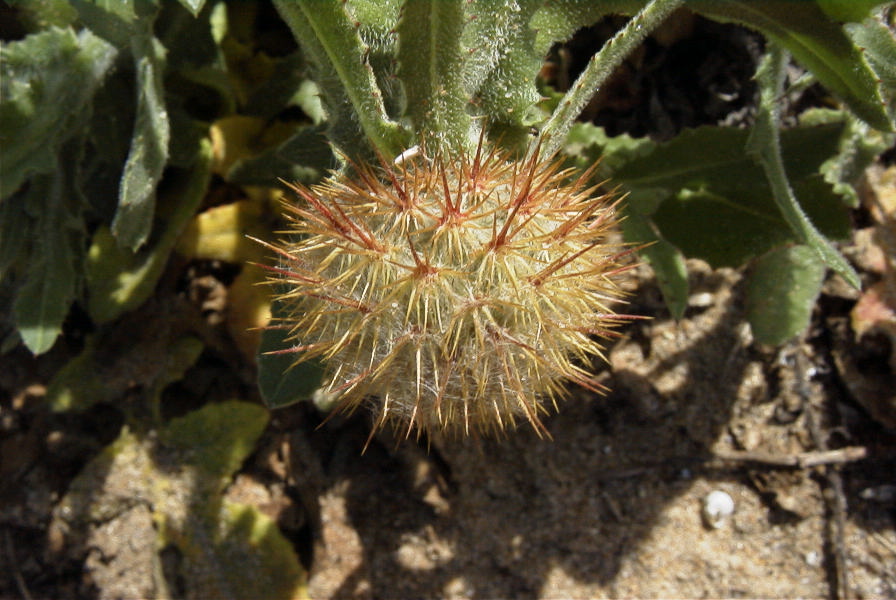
(718, 506)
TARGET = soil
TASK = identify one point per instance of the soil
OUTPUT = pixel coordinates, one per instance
(611, 506)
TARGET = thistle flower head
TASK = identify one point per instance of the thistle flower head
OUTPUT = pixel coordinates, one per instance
(453, 293)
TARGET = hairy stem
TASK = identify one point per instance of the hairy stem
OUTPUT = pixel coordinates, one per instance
(599, 69)
(331, 40)
(430, 66)
(764, 145)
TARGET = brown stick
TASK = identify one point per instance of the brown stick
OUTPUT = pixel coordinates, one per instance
(802, 460)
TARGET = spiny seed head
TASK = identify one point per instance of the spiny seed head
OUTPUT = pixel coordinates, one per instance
(453, 293)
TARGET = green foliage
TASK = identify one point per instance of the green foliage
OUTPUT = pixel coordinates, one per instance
(119, 279)
(781, 292)
(104, 109)
(764, 146)
(47, 80)
(431, 60)
(99, 102)
(333, 43)
(105, 102)
(280, 381)
(116, 115)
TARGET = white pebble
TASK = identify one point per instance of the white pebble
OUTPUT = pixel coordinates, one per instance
(717, 507)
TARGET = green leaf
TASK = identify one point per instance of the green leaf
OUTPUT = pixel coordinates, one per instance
(149, 147)
(220, 539)
(558, 20)
(280, 380)
(879, 45)
(859, 146)
(123, 9)
(36, 16)
(15, 233)
(217, 438)
(354, 101)
(47, 81)
(847, 10)
(119, 279)
(378, 24)
(110, 366)
(713, 228)
(709, 198)
(817, 42)
(80, 383)
(188, 40)
(589, 144)
(305, 157)
(288, 85)
(116, 21)
(51, 277)
(781, 292)
(714, 158)
(430, 66)
(728, 230)
(248, 536)
(503, 64)
(666, 260)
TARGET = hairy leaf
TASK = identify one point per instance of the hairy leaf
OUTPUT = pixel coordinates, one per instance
(430, 64)
(47, 81)
(51, 276)
(149, 147)
(781, 292)
(879, 45)
(558, 20)
(859, 145)
(506, 94)
(120, 279)
(281, 381)
(357, 114)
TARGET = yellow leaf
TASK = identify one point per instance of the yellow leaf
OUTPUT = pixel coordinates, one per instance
(220, 233)
(249, 309)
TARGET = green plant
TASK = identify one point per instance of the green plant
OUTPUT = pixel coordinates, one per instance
(128, 128)
(467, 71)
(105, 108)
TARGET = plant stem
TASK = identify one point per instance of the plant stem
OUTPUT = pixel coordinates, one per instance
(431, 68)
(764, 145)
(599, 69)
(332, 41)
